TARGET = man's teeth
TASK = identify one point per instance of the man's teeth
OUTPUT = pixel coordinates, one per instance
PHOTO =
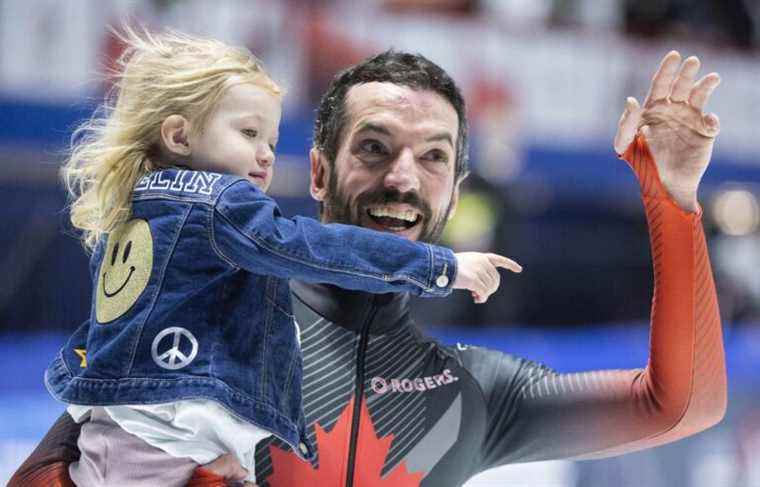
(406, 215)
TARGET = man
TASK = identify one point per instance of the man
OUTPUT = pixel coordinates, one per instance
(387, 405)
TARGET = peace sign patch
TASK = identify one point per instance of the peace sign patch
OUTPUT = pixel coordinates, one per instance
(174, 348)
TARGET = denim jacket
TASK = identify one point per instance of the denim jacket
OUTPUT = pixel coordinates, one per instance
(191, 299)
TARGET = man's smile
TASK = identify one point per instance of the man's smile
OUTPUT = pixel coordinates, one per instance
(394, 217)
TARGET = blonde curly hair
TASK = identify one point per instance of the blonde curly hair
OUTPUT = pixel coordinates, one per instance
(157, 75)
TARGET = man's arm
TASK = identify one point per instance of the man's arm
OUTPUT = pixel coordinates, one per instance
(537, 414)
(48, 465)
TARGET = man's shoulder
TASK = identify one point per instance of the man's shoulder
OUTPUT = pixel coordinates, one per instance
(183, 185)
(493, 368)
(468, 354)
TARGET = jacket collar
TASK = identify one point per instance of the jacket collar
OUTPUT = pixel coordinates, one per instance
(351, 309)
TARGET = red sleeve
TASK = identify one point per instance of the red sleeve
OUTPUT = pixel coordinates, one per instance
(683, 388)
(203, 477)
(538, 414)
(48, 465)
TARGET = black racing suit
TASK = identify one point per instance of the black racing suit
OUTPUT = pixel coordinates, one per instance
(430, 414)
(390, 406)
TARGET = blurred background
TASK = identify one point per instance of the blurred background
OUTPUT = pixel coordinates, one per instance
(545, 82)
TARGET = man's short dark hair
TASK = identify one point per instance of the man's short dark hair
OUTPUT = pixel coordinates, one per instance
(400, 68)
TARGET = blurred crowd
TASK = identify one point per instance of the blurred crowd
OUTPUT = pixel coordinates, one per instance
(544, 82)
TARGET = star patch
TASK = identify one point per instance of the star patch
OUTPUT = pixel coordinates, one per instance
(81, 353)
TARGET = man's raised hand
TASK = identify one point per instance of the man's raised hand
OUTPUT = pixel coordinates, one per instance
(679, 134)
(479, 273)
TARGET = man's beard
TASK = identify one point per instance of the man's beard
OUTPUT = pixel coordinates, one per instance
(338, 209)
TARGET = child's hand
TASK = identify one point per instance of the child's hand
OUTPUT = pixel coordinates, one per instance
(478, 272)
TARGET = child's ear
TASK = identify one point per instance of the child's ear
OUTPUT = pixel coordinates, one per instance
(175, 134)
(320, 174)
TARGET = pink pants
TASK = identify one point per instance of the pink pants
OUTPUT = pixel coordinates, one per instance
(111, 456)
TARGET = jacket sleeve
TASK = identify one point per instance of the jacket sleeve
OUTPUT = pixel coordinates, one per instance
(535, 413)
(248, 231)
(48, 465)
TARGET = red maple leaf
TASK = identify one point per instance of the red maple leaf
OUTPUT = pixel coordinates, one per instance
(333, 446)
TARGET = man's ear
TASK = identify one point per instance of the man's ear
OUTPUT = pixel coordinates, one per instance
(175, 134)
(320, 174)
(454, 200)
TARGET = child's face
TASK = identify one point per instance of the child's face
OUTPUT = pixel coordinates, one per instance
(240, 135)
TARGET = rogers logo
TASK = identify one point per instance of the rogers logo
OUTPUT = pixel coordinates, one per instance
(381, 385)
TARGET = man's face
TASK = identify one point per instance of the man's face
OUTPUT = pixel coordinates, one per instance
(394, 170)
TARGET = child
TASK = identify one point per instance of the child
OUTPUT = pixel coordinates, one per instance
(191, 350)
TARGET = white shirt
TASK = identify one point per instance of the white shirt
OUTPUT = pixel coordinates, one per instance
(197, 428)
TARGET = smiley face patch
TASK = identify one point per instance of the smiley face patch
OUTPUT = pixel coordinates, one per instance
(125, 269)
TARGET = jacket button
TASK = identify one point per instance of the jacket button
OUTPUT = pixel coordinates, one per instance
(302, 447)
(442, 281)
